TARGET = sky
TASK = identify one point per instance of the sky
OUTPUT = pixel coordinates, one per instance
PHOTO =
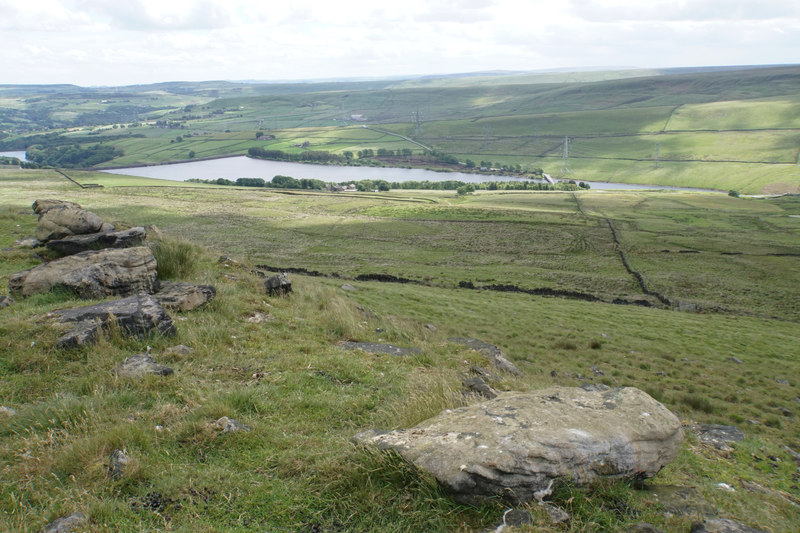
(123, 42)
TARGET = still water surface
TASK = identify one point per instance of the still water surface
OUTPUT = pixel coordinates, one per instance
(244, 167)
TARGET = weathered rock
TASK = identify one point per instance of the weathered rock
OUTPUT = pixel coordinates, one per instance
(182, 296)
(348, 287)
(93, 274)
(722, 525)
(65, 524)
(597, 371)
(491, 351)
(7, 411)
(140, 365)
(476, 386)
(278, 285)
(5, 301)
(781, 381)
(136, 315)
(430, 327)
(117, 463)
(736, 360)
(720, 437)
(59, 221)
(41, 206)
(180, 349)
(516, 445)
(372, 347)
(73, 244)
(229, 425)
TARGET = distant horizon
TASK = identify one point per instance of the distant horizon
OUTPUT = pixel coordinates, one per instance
(409, 77)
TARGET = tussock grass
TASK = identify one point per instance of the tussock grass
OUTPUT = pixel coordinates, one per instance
(176, 259)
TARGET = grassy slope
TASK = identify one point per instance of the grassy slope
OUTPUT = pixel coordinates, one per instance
(304, 397)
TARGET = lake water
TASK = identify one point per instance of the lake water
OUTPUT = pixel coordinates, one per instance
(18, 154)
(244, 167)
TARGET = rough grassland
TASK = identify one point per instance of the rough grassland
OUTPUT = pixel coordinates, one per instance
(305, 397)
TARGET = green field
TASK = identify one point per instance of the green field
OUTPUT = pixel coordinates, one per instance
(726, 130)
(727, 266)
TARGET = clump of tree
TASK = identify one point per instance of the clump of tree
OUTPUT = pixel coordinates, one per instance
(277, 182)
(72, 156)
(312, 156)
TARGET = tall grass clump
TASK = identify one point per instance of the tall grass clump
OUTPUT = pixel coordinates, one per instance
(176, 259)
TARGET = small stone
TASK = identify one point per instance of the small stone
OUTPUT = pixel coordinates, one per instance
(5, 301)
(65, 524)
(597, 371)
(374, 348)
(141, 364)
(348, 287)
(229, 425)
(517, 518)
(259, 318)
(477, 386)
(278, 285)
(180, 349)
(556, 514)
(722, 525)
(718, 436)
(781, 381)
(117, 463)
(495, 355)
(785, 412)
(643, 527)
(27, 242)
(431, 327)
(662, 373)
(735, 360)
(7, 411)
(725, 487)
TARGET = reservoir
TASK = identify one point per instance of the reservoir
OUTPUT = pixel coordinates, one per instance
(244, 167)
(19, 154)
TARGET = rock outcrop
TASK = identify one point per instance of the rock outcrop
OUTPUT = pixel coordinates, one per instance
(93, 274)
(74, 244)
(136, 315)
(517, 444)
(182, 296)
(41, 206)
(59, 221)
(490, 351)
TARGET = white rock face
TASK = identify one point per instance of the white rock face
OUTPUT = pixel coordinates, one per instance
(517, 444)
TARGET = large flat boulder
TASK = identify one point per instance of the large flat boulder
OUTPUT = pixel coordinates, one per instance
(137, 316)
(517, 444)
(73, 244)
(92, 274)
(182, 296)
(61, 220)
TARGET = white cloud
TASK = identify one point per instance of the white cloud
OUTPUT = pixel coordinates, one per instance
(137, 41)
